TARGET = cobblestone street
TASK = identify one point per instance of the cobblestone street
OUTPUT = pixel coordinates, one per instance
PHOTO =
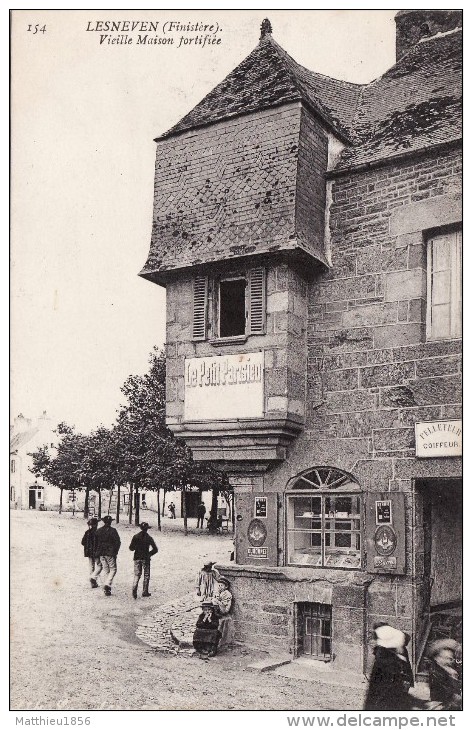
(73, 648)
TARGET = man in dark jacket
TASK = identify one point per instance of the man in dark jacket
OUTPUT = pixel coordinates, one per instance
(108, 544)
(144, 548)
(201, 509)
(90, 548)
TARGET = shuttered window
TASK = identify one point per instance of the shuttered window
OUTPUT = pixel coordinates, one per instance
(200, 308)
(444, 301)
(256, 301)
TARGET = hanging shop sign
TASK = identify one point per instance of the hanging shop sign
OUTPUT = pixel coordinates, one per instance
(435, 439)
(224, 387)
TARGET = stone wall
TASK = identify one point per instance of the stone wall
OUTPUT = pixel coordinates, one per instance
(284, 343)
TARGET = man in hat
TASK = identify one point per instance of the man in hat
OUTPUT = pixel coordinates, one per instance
(90, 549)
(108, 544)
(144, 548)
(206, 581)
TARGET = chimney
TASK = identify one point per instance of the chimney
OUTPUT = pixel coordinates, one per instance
(413, 25)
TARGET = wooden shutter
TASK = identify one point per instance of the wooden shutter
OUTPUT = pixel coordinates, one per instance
(256, 301)
(200, 307)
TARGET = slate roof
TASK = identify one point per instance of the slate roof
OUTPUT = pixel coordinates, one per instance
(269, 77)
(415, 104)
(20, 439)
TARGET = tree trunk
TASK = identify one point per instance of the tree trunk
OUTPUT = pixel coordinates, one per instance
(86, 503)
(213, 521)
(184, 511)
(158, 509)
(136, 506)
(164, 503)
(99, 504)
(130, 507)
(118, 506)
(60, 500)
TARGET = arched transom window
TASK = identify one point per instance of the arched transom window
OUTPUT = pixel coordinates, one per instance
(324, 519)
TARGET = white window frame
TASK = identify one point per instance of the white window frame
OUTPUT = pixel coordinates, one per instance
(455, 301)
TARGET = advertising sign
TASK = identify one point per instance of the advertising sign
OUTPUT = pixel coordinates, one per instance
(256, 528)
(434, 439)
(385, 532)
(224, 387)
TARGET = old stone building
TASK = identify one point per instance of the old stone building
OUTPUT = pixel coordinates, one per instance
(308, 233)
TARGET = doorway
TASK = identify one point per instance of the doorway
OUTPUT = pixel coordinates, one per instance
(442, 523)
(32, 498)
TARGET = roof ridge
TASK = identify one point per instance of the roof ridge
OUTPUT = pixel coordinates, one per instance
(309, 70)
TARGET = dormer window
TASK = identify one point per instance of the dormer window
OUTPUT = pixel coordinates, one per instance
(229, 307)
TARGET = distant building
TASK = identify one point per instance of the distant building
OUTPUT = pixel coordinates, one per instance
(308, 233)
(27, 491)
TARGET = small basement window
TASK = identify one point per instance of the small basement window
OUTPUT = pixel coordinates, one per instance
(232, 307)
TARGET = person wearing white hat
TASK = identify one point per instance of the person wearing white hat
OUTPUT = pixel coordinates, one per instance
(391, 675)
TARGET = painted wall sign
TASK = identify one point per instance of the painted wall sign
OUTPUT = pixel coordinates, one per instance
(225, 387)
(438, 438)
(260, 507)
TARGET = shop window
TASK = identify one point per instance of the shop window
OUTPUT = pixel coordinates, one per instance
(324, 510)
(444, 301)
(238, 308)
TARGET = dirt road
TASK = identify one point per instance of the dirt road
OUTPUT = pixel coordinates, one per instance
(73, 648)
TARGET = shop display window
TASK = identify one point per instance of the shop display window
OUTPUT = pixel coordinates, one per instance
(324, 528)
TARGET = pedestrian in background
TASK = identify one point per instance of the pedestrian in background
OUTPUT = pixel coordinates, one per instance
(171, 509)
(108, 546)
(144, 548)
(89, 543)
(201, 509)
(391, 676)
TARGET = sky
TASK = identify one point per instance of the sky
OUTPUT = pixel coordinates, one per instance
(84, 117)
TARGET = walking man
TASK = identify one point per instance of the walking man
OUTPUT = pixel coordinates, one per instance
(201, 509)
(108, 545)
(90, 548)
(144, 548)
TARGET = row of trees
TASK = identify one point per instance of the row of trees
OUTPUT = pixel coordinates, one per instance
(138, 451)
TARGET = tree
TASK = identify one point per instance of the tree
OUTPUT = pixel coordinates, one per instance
(62, 468)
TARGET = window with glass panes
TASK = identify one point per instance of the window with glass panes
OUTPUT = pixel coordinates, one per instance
(324, 520)
(444, 300)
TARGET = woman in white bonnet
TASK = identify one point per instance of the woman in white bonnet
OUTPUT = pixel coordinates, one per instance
(391, 676)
